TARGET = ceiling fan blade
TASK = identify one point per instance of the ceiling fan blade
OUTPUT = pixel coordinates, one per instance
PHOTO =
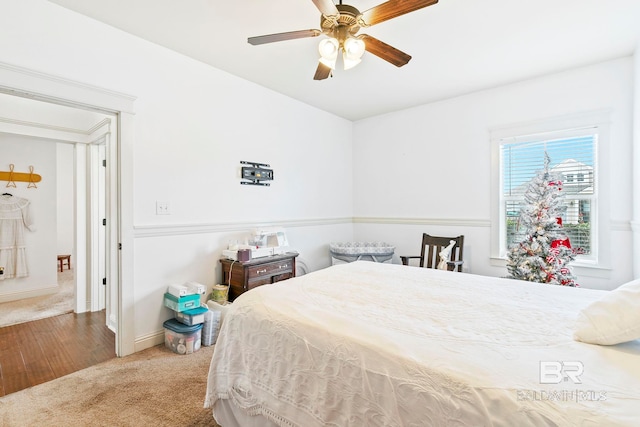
(326, 7)
(278, 37)
(385, 51)
(392, 9)
(322, 72)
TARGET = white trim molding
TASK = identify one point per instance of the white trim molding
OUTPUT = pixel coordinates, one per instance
(621, 225)
(36, 85)
(449, 222)
(53, 132)
(150, 340)
(16, 296)
(180, 229)
(42, 126)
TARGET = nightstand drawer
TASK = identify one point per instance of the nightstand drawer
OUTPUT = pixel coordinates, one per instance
(245, 275)
(270, 269)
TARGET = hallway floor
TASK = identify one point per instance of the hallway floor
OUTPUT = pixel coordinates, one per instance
(39, 351)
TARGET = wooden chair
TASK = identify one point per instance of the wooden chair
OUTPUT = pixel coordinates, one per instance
(431, 248)
(62, 259)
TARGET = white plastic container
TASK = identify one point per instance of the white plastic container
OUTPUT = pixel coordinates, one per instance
(211, 327)
(219, 307)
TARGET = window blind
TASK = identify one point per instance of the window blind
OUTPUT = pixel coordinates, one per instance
(573, 163)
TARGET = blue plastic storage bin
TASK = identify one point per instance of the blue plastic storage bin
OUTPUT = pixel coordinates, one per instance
(181, 338)
(191, 317)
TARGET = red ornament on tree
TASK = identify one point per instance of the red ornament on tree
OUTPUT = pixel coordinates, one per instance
(560, 242)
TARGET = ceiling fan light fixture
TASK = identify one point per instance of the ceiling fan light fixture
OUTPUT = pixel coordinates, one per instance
(353, 47)
(352, 51)
(341, 23)
(349, 62)
(328, 49)
(331, 63)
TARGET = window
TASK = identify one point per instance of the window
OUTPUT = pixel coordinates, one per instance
(577, 147)
(571, 156)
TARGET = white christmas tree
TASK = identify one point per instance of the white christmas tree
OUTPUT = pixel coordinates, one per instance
(545, 252)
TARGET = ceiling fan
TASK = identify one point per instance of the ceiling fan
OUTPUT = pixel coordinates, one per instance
(341, 23)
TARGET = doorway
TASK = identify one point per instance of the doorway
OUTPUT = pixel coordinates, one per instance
(79, 96)
(69, 204)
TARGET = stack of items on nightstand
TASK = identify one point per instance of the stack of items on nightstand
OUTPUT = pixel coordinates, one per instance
(183, 333)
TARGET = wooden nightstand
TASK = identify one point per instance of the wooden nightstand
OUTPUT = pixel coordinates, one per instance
(246, 275)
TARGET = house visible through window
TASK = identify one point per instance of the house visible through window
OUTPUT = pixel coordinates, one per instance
(572, 162)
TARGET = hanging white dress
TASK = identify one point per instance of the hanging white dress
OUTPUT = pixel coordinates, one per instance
(14, 218)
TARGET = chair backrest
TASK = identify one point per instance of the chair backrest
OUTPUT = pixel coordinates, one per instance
(433, 245)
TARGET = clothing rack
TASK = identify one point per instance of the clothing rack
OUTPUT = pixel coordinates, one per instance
(12, 177)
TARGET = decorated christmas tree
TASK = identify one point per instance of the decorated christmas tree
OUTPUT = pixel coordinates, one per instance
(545, 252)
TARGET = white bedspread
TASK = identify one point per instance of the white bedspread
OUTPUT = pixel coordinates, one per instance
(371, 344)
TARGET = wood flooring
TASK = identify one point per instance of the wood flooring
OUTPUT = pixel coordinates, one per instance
(39, 351)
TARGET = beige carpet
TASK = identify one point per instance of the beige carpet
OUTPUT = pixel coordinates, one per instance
(154, 387)
(29, 309)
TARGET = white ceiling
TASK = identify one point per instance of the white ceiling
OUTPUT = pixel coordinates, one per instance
(27, 116)
(458, 46)
(29, 112)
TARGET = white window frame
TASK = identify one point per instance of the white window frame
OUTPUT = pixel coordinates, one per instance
(598, 122)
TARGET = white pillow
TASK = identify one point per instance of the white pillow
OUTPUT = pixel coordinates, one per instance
(613, 319)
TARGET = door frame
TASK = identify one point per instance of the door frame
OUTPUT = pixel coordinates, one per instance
(55, 89)
(97, 214)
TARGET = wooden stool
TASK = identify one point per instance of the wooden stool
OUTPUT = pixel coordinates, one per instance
(62, 259)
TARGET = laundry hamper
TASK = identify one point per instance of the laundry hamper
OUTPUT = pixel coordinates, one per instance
(355, 251)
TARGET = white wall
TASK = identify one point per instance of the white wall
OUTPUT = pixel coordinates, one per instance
(193, 125)
(196, 257)
(65, 200)
(635, 223)
(433, 164)
(23, 152)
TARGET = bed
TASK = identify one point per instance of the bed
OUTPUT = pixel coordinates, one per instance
(372, 344)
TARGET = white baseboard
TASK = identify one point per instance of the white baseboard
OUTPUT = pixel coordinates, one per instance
(15, 296)
(148, 341)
